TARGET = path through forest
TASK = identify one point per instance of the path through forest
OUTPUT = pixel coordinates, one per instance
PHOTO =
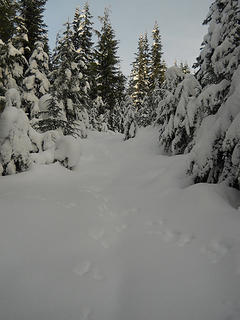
(124, 237)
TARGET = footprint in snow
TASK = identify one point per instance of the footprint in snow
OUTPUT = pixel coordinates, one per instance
(103, 207)
(83, 268)
(96, 233)
(87, 268)
(171, 236)
(216, 250)
(70, 205)
(185, 239)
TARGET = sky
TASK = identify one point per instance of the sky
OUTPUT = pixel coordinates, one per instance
(180, 23)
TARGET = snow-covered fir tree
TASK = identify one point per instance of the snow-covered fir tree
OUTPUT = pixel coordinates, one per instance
(12, 64)
(155, 97)
(144, 112)
(52, 116)
(15, 141)
(8, 10)
(219, 55)
(82, 35)
(94, 113)
(157, 66)
(36, 83)
(20, 38)
(184, 67)
(106, 65)
(139, 78)
(31, 12)
(184, 124)
(167, 107)
(83, 44)
(213, 158)
(68, 82)
(118, 116)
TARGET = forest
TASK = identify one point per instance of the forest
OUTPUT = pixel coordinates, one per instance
(119, 194)
(80, 87)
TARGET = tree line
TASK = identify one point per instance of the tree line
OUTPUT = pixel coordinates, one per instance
(84, 79)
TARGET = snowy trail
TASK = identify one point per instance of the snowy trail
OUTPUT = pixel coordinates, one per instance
(125, 236)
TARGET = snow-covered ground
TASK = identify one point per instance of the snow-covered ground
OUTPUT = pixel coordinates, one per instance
(123, 237)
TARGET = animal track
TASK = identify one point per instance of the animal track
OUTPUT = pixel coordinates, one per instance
(169, 236)
(83, 268)
(96, 233)
(87, 268)
(216, 250)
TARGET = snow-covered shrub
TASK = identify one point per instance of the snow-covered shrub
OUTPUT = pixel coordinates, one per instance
(14, 136)
(67, 151)
(48, 145)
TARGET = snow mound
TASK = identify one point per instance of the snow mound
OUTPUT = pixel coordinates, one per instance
(67, 151)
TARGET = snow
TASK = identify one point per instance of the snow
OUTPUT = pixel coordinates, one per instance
(44, 104)
(12, 98)
(123, 236)
(67, 151)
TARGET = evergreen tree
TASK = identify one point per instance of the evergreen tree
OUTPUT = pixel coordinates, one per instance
(7, 19)
(94, 113)
(139, 79)
(167, 107)
(219, 54)
(157, 68)
(20, 38)
(52, 116)
(184, 124)
(31, 12)
(12, 64)
(68, 81)
(155, 98)
(82, 41)
(185, 67)
(214, 156)
(107, 68)
(82, 34)
(36, 83)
